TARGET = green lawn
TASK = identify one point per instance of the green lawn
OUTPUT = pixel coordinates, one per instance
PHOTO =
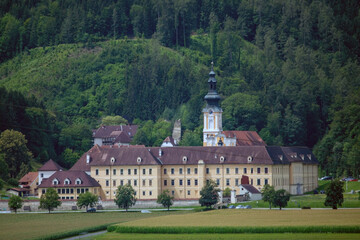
(308, 236)
(29, 226)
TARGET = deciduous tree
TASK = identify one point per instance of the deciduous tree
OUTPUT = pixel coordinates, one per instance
(209, 194)
(15, 202)
(50, 200)
(165, 199)
(268, 194)
(86, 200)
(125, 196)
(334, 194)
(281, 198)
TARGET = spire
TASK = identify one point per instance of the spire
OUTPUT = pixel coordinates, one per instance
(212, 98)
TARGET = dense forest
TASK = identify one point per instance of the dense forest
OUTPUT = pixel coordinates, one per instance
(286, 69)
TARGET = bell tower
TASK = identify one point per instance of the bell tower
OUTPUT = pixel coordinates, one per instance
(212, 114)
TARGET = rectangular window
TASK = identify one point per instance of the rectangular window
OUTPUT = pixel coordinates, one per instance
(165, 171)
(78, 190)
(144, 171)
(195, 171)
(188, 170)
(114, 171)
(236, 170)
(107, 171)
(196, 182)
(173, 193)
(180, 182)
(217, 170)
(122, 182)
(121, 171)
(150, 193)
(72, 191)
(251, 182)
(188, 182)
(59, 190)
(165, 182)
(266, 170)
(63, 191)
(150, 183)
(207, 170)
(143, 193)
(180, 170)
(107, 183)
(245, 170)
(227, 170)
(86, 189)
(258, 170)
(82, 190)
(252, 170)
(143, 182)
(172, 171)
(188, 192)
(129, 171)
(172, 182)
(227, 182)
(135, 182)
(114, 183)
(218, 181)
(96, 172)
(258, 181)
(236, 182)
(266, 181)
(150, 171)
(67, 191)
(135, 171)
(129, 182)
(42, 175)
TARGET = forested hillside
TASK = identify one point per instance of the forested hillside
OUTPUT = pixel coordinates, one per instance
(287, 69)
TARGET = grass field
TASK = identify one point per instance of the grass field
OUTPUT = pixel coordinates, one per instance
(253, 217)
(313, 236)
(29, 226)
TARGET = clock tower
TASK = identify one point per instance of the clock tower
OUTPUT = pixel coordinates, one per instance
(212, 133)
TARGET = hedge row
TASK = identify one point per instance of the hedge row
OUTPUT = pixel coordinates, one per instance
(182, 230)
(75, 232)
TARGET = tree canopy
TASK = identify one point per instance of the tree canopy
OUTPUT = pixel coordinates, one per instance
(334, 194)
(268, 194)
(125, 196)
(87, 200)
(15, 202)
(165, 199)
(281, 198)
(50, 200)
(209, 194)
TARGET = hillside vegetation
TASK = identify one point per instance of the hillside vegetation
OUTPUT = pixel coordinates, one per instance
(288, 70)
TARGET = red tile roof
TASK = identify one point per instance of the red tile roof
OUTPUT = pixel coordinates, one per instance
(170, 140)
(50, 165)
(245, 138)
(86, 180)
(29, 177)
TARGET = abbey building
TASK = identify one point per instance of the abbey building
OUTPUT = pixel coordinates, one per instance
(229, 158)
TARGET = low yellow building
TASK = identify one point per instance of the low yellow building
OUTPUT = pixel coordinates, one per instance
(184, 170)
(70, 184)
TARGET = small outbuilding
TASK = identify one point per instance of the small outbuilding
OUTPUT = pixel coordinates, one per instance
(250, 191)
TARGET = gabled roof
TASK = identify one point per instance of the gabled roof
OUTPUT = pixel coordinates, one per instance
(113, 131)
(86, 180)
(50, 165)
(250, 188)
(122, 137)
(169, 140)
(245, 138)
(29, 177)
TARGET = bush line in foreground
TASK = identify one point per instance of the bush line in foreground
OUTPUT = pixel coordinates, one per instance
(75, 232)
(287, 229)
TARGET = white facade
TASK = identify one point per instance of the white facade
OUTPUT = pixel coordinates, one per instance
(253, 196)
(45, 174)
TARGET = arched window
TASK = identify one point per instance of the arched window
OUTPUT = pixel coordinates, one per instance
(55, 182)
(66, 181)
(78, 181)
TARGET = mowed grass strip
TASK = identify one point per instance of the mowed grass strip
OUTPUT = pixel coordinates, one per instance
(253, 217)
(251, 236)
(39, 225)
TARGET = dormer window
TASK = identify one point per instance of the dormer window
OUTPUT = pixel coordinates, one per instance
(55, 182)
(78, 181)
(66, 181)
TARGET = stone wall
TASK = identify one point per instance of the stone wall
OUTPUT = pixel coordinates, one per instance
(68, 204)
